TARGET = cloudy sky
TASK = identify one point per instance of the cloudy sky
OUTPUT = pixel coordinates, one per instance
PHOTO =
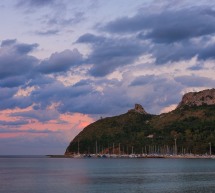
(65, 63)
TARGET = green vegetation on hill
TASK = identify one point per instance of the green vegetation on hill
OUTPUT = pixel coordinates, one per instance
(191, 129)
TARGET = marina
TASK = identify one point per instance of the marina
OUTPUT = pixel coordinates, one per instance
(169, 156)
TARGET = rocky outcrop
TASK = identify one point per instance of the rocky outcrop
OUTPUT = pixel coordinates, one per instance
(205, 97)
(138, 109)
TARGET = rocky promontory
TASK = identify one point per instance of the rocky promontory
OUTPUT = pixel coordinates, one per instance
(205, 97)
(138, 109)
(191, 125)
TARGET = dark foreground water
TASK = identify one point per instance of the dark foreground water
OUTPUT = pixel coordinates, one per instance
(48, 175)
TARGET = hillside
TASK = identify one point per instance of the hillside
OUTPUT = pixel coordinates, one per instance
(191, 127)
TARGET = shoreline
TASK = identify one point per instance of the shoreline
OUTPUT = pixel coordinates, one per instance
(145, 156)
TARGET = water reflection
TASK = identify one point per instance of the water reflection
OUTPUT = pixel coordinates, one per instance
(106, 175)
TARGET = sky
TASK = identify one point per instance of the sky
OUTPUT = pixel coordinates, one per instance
(66, 63)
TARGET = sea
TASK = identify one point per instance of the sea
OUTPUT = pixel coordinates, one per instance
(40, 174)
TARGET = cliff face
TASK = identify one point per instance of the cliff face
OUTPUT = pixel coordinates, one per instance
(205, 97)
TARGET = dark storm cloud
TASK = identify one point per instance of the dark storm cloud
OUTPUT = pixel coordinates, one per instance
(15, 65)
(57, 20)
(195, 81)
(35, 3)
(142, 80)
(16, 69)
(15, 102)
(8, 42)
(41, 80)
(41, 131)
(81, 97)
(167, 27)
(40, 115)
(108, 102)
(2, 130)
(14, 59)
(7, 93)
(83, 82)
(13, 123)
(17, 47)
(184, 50)
(11, 82)
(175, 34)
(25, 48)
(163, 94)
(49, 94)
(19, 70)
(85, 96)
(207, 53)
(171, 34)
(91, 39)
(162, 91)
(196, 67)
(60, 62)
(172, 53)
(110, 53)
(47, 33)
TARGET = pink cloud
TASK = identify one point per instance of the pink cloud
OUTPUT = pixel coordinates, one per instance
(8, 135)
(66, 127)
(28, 135)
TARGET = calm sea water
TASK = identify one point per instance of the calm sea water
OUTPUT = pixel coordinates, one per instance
(49, 175)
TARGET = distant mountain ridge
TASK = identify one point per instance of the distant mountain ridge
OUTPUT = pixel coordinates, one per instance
(192, 124)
